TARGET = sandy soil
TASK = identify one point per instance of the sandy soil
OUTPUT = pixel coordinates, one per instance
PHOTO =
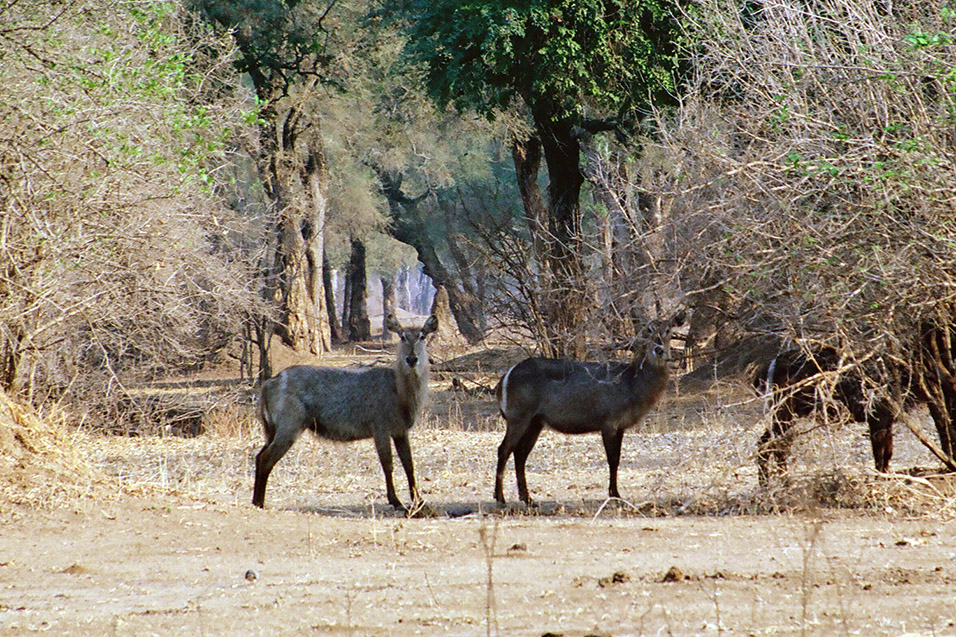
(164, 566)
(159, 536)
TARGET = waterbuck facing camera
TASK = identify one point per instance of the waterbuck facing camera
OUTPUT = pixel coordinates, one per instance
(342, 404)
(577, 397)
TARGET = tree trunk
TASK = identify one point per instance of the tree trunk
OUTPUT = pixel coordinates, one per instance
(388, 305)
(526, 155)
(307, 327)
(346, 297)
(407, 228)
(294, 172)
(360, 329)
(563, 294)
(335, 328)
(404, 298)
(568, 297)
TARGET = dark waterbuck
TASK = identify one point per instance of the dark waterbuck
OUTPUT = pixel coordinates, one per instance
(788, 385)
(343, 404)
(578, 397)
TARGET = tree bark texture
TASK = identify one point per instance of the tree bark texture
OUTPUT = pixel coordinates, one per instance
(360, 329)
(335, 328)
(564, 290)
(294, 171)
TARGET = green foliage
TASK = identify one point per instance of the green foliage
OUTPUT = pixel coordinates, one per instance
(555, 56)
(919, 39)
(279, 40)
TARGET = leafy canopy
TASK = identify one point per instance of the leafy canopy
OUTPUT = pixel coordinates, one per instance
(557, 56)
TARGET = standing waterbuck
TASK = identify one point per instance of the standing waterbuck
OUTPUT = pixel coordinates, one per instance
(577, 397)
(795, 384)
(344, 404)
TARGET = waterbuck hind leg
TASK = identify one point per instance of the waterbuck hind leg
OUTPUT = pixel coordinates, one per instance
(513, 432)
(266, 459)
(383, 445)
(522, 451)
(405, 455)
(504, 452)
(612, 448)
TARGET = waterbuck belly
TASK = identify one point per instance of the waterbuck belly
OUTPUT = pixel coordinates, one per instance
(341, 431)
(574, 409)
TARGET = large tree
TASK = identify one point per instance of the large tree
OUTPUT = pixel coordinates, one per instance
(282, 50)
(575, 66)
(395, 160)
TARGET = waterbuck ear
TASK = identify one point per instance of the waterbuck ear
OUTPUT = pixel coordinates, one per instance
(392, 324)
(430, 325)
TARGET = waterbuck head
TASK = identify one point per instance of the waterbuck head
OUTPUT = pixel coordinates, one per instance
(412, 355)
(652, 347)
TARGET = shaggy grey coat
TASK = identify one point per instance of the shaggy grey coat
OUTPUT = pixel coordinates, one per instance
(347, 404)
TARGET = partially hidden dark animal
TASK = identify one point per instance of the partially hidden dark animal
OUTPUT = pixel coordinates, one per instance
(381, 403)
(575, 397)
(788, 386)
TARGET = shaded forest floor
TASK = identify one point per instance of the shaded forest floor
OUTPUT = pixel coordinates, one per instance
(153, 534)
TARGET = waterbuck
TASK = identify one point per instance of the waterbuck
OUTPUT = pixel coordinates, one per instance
(788, 386)
(577, 397)
(343, 404)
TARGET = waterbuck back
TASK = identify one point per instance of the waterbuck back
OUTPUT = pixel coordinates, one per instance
(344, 404)
(576, 397)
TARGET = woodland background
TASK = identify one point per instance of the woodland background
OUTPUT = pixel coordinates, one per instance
(186, 180)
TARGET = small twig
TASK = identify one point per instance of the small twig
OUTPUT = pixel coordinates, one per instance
(488, 546)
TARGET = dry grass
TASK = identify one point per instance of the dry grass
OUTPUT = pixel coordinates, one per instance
(39, 465)
(355, 565)
(693, 456)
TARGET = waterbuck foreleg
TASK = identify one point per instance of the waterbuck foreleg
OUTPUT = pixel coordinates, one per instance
(522, 450)
(383, 445)
(612, 448)
(774, 446)
(405, 455)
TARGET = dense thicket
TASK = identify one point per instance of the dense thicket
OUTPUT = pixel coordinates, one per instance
(810, 186)
(118, 259)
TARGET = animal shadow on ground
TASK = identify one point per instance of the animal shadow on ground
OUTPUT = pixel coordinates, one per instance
(608, 507)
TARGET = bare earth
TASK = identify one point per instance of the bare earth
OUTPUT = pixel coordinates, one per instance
(163, 540)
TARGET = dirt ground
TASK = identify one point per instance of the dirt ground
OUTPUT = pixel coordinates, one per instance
(158, 536)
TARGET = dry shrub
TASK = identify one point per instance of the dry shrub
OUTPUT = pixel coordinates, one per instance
(232, 422)
(807, 182)
(807, 188)
(39, 466)
(119, 258)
